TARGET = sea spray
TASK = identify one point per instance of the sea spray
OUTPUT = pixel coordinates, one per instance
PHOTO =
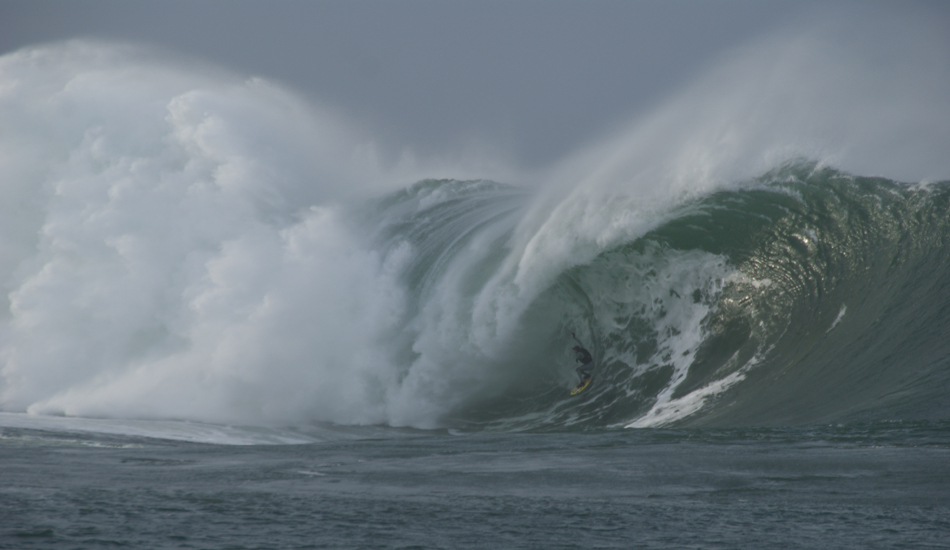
(180, 253)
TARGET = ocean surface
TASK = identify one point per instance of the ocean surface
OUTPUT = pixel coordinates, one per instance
(224, 326)
(877, 485)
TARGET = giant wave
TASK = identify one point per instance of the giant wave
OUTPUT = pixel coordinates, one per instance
(807, 295)
(185, 245)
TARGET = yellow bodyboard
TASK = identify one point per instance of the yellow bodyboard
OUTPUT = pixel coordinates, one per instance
(581, 387)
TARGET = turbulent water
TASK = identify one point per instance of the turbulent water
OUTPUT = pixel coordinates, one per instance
(224, 308)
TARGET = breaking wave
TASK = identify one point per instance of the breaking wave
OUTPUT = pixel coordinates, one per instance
(182, 244)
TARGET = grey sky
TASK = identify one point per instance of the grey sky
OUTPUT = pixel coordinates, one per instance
(536, 78)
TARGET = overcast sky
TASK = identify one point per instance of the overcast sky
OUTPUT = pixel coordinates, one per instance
(535, 78)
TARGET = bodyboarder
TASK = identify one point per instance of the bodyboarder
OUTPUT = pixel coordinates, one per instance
(583, 357)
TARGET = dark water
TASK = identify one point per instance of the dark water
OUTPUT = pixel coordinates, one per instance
(880, 485)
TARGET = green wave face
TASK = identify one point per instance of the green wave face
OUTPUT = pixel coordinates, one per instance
(805, 296)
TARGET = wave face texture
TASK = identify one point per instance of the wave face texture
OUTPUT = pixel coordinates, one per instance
(809, 295)
(185, 246)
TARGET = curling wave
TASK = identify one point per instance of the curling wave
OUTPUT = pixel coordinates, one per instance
(807, 295)
(195, 246)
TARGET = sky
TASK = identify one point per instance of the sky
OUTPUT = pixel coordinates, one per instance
(529, 80)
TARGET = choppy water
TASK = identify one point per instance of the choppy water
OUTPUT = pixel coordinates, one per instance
(880, 485)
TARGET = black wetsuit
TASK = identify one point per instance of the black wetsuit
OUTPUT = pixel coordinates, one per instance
(583, 357)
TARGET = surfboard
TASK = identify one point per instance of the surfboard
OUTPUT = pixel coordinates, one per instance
(581, 387)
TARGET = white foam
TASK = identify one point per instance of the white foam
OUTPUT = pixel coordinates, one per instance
(668, 410)
(841, 312)
(196, 432)
(183, 254)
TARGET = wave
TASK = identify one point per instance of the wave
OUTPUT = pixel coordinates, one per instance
(808, 295)
(183, 245)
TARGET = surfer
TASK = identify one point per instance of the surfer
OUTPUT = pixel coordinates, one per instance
(583, 357)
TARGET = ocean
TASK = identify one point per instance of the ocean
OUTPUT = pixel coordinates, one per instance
(877, 485)
(224, 328)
